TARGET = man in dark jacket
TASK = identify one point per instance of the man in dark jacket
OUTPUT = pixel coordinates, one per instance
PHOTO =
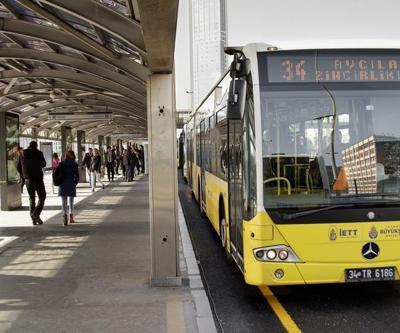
(86, 163)
(32, 163)
(110, 161)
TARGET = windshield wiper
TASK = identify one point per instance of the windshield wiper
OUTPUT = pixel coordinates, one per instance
(367, 195)
(308, 212)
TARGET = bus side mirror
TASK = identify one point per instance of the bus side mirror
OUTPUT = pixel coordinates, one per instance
(236, 99)
(240, 68)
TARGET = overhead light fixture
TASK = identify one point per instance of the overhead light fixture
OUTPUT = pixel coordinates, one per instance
(80, 115)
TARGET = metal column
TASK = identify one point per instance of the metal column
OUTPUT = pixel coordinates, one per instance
(3, 163)
(80, 138)
(66, 140)
(163, 180)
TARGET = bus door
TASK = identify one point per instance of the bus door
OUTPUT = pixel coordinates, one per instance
(202, 200)
(235, 188)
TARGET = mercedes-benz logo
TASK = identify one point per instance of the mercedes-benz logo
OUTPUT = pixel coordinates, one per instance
(370, 250)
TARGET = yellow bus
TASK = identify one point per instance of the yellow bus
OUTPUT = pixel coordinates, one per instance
(294, 156)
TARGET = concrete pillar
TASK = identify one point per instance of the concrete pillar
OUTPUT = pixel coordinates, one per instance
(80, 139)
(108, 141)
(101, 142)
(163, 180)
(146, 158)
(34, 134)
(66, 140)
(101, 147)
(10, 187)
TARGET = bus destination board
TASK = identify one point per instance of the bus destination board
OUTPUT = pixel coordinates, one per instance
(308, 68)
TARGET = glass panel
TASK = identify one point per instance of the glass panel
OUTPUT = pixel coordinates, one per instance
(324, 145)
(12, 145)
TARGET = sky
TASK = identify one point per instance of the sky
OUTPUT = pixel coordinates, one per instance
(182, 57)
(295, 24)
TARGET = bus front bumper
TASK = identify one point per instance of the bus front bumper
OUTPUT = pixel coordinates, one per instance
(275, 274)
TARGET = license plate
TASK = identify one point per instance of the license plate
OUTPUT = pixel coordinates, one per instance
(370, 274)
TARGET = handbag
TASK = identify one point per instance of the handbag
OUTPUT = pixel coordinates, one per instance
(58, 176)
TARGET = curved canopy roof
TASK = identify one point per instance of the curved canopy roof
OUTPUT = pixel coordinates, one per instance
(79, 55)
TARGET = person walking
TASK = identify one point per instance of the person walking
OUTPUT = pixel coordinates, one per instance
(126, 162)
(122, 161)
(67, 188)
(110, 157)
(19, 168)
(132, 164)
(141, 158)
(86, 163)
(32, 163)
(55, 162)
(95, 169)
(137, 165)
(117, 160)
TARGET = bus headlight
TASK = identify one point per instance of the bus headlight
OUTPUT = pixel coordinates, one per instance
(283, 254)
(271, 254)
(277, 253)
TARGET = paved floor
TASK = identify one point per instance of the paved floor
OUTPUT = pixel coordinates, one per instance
(91, 276)
(20, 217)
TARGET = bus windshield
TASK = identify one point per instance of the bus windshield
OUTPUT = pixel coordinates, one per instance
(325, 146)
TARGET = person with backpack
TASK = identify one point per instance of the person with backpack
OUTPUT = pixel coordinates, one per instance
(31, 163)
(67, 189)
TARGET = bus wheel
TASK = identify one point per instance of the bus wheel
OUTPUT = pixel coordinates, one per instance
(199, 199)
(223, 233)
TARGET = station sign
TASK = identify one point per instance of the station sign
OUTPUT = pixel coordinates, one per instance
(326, 66)
(80, 115)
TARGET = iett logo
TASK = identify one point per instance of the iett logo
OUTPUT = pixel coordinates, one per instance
(332, 233)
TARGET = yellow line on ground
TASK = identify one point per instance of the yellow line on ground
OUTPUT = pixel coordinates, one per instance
(279, 310)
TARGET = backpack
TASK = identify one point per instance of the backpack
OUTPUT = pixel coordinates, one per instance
(58, 176)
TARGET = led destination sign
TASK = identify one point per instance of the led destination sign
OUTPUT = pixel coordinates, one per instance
(292, 67)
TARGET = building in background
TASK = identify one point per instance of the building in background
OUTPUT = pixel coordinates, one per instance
(208, 39)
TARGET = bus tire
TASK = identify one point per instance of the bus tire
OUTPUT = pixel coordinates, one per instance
(223, 230)
(199, 198)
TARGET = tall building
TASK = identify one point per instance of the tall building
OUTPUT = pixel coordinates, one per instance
(208, 39)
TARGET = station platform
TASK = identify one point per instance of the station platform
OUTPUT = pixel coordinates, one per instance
(93, 276)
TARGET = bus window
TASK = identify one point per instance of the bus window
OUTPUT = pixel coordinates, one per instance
(222, 147)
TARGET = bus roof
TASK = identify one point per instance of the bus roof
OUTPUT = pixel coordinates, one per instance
(326, 44)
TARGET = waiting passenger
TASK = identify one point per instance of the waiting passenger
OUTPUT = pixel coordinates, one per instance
(67, 188)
